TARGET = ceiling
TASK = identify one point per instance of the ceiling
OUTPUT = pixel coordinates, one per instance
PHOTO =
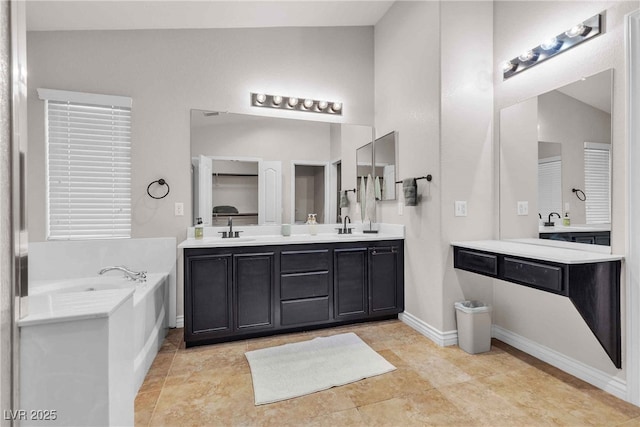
(594, 90)
(53, 15)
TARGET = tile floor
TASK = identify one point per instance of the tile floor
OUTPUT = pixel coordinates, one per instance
(211, 386)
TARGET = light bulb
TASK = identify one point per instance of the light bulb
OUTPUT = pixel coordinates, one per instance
(293, 102)
(508, 66)
(578, 30)
(527, 56)
(277, 100)
(551, 44)
(308, 103)
(336, 106)
(260, 98)
(322, 104)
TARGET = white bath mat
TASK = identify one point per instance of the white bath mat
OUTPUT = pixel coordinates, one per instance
(293, 370)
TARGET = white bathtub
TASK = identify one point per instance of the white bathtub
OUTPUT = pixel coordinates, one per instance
(150, 309)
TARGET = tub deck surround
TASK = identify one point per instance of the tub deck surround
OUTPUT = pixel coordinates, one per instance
(88, 340)
(71, 300)
(590, 279)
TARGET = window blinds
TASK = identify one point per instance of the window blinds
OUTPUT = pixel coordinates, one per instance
(549, 186)
(88, 165)
(597, 182)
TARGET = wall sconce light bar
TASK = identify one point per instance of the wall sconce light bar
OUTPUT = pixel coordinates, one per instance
(296, 104)
(553, 46)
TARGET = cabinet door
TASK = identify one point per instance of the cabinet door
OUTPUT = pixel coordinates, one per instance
(253, 289)
(384, 297)
(208, 294)
(350, 283)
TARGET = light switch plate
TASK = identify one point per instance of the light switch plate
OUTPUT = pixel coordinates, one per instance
(179, 209)
(523, 208)
(461, 208)
(400, 208)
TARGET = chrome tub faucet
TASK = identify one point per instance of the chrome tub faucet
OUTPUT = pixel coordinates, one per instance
(138, 276)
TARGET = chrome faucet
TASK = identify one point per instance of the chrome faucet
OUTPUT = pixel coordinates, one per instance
(549, 223)
(138, 276)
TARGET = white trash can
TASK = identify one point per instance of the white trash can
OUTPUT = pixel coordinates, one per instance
(474, 326)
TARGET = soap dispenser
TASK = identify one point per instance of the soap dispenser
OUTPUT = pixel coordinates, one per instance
(199, 228)
(566, 221)
(311, 222)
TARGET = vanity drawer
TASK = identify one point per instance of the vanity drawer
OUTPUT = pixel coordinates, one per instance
(543, 276)
(304, 311)
(477, 262)
(304, 261)
(304, 285)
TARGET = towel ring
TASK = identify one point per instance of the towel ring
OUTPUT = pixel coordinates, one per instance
(577, 191)
(160, 182)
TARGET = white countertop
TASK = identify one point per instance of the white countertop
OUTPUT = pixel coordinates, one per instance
(577, 228)
(539, 251)
(66, 306)
(269, 235)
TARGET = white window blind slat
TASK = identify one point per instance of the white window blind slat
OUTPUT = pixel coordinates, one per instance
(597, 179)
(549, 187)
(88, 165)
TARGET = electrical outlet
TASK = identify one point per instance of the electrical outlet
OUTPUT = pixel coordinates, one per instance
(523, 208)
(461, 208)
(400, 208)
(179, 209)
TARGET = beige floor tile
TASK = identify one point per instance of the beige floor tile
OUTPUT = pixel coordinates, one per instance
(144, 406)
(634, 422)
(348, 418)
(432, 385)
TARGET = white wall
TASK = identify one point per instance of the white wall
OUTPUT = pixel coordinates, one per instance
(440, 102)
(548, 319)
(466, 143)
(169, 72)
(407, 94)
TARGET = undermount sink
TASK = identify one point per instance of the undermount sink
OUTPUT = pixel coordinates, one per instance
(238, 239)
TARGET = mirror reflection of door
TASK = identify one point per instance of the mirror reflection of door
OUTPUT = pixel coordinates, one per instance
(549, 178)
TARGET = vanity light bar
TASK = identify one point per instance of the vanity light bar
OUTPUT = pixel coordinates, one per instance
(553, 46)
(296, 104)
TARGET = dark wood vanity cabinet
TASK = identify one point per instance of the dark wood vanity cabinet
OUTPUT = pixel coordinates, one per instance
(229, 293)
(350, 283)
(386, 273)
(588, 237)
(253, 290)
(592, 287)
(305, 286)
(241, 292)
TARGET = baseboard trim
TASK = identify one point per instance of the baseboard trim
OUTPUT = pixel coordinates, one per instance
(443, 339)
(179, 321)
(602, 380)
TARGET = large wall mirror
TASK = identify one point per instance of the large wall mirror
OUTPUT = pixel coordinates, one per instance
(268, 170)
(385, 155)
(555, 158)
(364, 168)
(379, 160)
